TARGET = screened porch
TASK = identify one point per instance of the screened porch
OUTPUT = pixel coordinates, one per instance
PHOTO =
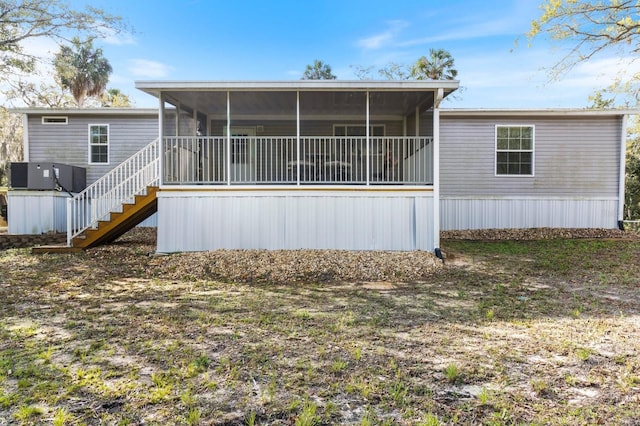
(298, 132)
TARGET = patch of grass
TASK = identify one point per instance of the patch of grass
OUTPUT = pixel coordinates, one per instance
(62, 417)
(338, 366)
(307, 416)
(27, 413)
(583, 354)
(452, 373)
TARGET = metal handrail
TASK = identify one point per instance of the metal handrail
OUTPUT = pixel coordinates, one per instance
(107, 194)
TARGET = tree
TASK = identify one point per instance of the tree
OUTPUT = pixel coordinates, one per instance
(592, 27)
(318, 71)
(632, 173)
(114, 98)
(21, 20)
(82, 70)
(438, 66)
(41, 94)
(394, 71)
(10, 141)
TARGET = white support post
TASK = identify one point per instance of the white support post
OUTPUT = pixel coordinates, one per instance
(228, 138)
(621, 183)
(436, 167)
(177, 118)
(161, 113)
(368, 149)
(69, 221)
(298, 137)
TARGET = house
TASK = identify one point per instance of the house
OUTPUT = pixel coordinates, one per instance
(356, 165)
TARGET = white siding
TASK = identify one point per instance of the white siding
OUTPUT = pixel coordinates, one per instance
(68, 143)
(36, 212)
(574, 157)
(513, 212)
(348, 220)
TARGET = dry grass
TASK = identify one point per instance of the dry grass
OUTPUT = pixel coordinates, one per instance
(508, 332)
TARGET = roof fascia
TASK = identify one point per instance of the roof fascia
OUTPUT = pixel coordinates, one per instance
(454, 112)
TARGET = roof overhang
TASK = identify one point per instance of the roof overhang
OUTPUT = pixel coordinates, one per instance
(389, 98)
(155, 87)
(86, 111)
(547, 112)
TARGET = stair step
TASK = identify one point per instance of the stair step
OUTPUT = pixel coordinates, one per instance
(120, 222)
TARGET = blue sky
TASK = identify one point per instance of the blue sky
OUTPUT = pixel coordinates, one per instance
(274, 40)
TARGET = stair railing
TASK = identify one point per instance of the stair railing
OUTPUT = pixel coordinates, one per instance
(107, 194)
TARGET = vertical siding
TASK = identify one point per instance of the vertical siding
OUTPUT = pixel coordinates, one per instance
(68, 144)
(36, 212)
(574, 157)
(309, 220)
(493, 213)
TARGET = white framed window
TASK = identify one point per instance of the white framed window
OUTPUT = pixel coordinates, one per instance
(55, 119)
(515, 150)
(98, 144)
(358, 130)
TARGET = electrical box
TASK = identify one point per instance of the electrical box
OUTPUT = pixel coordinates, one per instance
(48, 176)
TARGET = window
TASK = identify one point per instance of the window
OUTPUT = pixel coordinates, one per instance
(98, 144)
(357, 130)
(54, 119)
(514, 150)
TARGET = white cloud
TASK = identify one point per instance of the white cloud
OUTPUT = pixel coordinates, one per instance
(384, 38)
(484, 28)
(148, 69)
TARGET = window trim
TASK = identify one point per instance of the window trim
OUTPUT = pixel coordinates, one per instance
(64, 118)
(532, 151)
(90, 144)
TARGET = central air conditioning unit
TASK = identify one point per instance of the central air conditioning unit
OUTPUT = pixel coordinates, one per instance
(47, 176)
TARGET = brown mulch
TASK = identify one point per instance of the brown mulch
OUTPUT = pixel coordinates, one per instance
(323, 265)
(530, 234)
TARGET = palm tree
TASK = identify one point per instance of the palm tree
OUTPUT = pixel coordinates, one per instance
(82, 70)
(438, 66)
(318, 71)
(114, 98)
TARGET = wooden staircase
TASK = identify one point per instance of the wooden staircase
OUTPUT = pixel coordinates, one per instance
(118, 223)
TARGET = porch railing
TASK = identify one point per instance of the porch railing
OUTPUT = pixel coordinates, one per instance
(325, 160)
(107, 194)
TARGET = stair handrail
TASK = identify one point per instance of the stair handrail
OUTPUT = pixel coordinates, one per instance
(121, 184)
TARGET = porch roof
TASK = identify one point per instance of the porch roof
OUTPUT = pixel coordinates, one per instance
(319, 97)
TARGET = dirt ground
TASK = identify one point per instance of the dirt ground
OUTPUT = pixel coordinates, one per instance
(536, 330)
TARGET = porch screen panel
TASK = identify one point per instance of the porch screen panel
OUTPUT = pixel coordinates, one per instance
(263, 152)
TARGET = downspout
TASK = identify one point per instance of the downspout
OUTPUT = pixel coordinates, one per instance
(622, 167)
(436, 172)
